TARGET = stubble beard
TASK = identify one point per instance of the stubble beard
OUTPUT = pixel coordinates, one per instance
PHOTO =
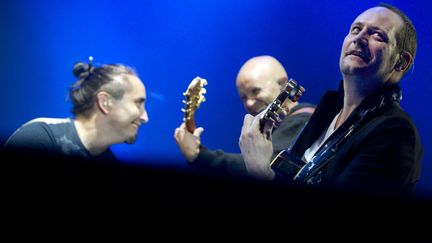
(131, 140)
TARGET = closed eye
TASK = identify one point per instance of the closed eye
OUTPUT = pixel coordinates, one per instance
(379, 36)
(355, 29)
(140, 102)
(256, 91)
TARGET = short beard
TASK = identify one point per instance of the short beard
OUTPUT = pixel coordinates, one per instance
(131, 140)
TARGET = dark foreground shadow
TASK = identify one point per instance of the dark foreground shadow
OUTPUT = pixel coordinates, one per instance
(54, 185)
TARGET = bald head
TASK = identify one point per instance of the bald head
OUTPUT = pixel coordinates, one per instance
(259, 81)
(259, 68)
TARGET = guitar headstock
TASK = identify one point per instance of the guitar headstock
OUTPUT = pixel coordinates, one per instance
(194, 96)
(292, 91)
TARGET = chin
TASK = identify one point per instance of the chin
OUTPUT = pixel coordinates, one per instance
(257, 112)
(131, 140)
(353, 69)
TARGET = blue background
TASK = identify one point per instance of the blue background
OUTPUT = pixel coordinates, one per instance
(171, 42)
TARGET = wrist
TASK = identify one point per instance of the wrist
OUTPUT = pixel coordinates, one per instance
(191, 157)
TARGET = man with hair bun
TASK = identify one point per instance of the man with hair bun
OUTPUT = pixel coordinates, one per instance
(108, 104)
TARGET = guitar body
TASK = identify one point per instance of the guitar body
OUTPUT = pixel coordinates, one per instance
(287, 164)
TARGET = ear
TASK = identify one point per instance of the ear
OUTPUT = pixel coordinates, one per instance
(405, 59)
(283, 81)
(103, 102)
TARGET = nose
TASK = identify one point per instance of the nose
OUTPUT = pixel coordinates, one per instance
(250, 103)
(144, 117)
(361, 39)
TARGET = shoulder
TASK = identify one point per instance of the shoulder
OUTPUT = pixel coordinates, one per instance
(392, 126)
(394, 117)
(48, 121)
(305, 104)
(41, 125)
(304, 109)
(38, 130)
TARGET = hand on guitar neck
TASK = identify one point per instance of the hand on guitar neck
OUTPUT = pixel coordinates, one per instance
(279, 108)
(187, 136)
(193, 98)
(255, 140)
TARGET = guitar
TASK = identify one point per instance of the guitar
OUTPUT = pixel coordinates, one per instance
(292, 91)
(269, 120)
(193, 98)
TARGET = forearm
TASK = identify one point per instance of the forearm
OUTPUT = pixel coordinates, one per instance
(220, 161)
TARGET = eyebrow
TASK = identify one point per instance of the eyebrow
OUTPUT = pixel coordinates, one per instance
(357, 24)
(370, 27)
(374, 28)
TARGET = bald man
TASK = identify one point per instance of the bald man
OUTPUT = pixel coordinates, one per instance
(258, 82)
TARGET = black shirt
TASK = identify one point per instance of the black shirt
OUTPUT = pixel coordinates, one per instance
(52, 136)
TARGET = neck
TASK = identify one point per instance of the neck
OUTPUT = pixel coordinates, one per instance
(355, 91)
(91, 135)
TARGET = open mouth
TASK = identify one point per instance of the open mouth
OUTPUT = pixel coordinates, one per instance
(364, 56)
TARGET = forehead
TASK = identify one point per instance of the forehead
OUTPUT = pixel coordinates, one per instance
(380, 17)
(136, 87)
(258, 76)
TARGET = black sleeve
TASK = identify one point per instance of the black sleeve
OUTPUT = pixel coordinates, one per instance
(33, 136)
(219, 162)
